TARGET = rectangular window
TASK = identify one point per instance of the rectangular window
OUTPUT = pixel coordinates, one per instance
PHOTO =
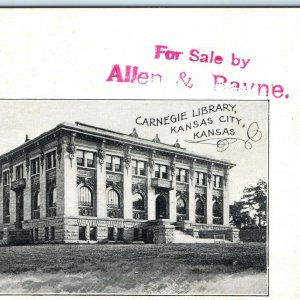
(46, 233)
(82, 233)
(90, 159)
(6, 213)
(113, 163)
(108, 159)
(120, 234)
(181, 175)
(36, 234)
(136, 234)
(35, 166)
(6, 178)
(134, 169)
(86, 159)
(51, 160)
(110, 234)
(156, 171)
(52, 233)
(93, 233)
(142, 168)
(201, 178)
(117, 164)
(161, 171)
(218, 182)
(19, 172)
(80, 158)
(138, 167)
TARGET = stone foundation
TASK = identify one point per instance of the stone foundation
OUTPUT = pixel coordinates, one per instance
(95, 230)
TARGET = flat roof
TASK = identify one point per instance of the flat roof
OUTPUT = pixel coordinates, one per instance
(91, 130)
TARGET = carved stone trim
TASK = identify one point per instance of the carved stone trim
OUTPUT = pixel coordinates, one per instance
(192, 171)
(127, 156)
(209, 173)
(101, 152)
(151, 162)
(27, 163)
(71, 148)
(173, 165)
(183, 194)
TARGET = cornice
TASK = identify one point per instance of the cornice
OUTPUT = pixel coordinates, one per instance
(68, 128)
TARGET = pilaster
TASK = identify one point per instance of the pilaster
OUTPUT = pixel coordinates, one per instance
(101, 183)
(66, 176)
(192, 203)
(151, 205)
(27, 192)
(172, 193)
(209, 200)
(226, 198)
(127, 184)
(13, 207)
(43, 190)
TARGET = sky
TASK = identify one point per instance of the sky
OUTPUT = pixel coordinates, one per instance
(33, 117)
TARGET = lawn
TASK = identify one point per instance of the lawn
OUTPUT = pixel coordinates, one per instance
(135, 269)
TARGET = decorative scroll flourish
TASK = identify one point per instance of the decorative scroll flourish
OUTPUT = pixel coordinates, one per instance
(253, 136)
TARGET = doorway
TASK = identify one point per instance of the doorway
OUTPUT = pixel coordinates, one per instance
(19, 207)
(161, 207)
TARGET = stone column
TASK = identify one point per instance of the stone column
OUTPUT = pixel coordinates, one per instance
(172, 192)
(192, 203)
(151, 198)
(127, 185)
(226, 198)
(101, 183)
(209, 195)
(12, 206)
(173, 201)
(27, 195)
(66, 178)
(151, 205)
(43, 191)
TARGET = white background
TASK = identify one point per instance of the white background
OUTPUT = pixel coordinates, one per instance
(50, 53)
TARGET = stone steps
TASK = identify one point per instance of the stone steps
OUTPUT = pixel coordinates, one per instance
(181, 237)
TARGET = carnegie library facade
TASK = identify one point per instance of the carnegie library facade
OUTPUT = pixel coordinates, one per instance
(80, 183)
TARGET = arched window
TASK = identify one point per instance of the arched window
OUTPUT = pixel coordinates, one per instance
(199, 207)
(52, 197)
(138, 201)
(36, 201)
(181, 206)
(113, 199)
(85, 196)
(217, 210)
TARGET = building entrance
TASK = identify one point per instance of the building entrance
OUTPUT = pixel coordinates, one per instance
(161, 207)
(19, 207)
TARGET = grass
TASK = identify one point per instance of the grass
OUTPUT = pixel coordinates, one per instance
(134, 269)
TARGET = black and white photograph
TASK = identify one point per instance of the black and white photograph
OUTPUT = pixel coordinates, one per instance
(138, 197)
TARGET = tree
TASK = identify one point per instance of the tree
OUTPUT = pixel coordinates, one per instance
(251, 209)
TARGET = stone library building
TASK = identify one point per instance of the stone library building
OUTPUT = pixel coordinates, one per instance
(78, 183)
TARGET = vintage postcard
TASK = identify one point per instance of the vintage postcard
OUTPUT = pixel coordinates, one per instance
(148, 152)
